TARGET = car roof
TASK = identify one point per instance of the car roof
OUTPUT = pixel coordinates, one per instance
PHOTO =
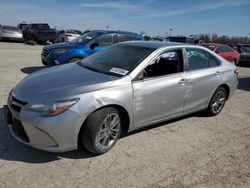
(214, 44)
(37, 23)
(154, 44)
(114, 31)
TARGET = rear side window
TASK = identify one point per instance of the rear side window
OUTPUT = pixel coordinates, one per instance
(105, 40)
(200, 59)
(124, 37)
(223, 49)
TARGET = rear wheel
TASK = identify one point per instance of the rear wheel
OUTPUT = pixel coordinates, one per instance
(101, 130)
(217, 102)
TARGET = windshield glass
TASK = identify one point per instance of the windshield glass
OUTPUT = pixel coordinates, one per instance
(85, 38)
(10, 28)
(117, 60)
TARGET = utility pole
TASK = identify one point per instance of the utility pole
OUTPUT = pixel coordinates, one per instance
(170, 32)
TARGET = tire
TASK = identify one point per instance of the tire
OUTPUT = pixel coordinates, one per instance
(217, 102)
(99, 134)
(74, 59)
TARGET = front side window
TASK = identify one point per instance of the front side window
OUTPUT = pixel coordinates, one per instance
(105, 40)
(169, 62)
(200, 59)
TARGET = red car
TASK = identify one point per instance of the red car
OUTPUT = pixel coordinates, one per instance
(224, 51)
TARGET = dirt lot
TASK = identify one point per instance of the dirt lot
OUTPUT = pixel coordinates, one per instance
(194, 151)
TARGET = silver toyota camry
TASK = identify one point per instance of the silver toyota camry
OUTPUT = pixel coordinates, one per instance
(120, 89)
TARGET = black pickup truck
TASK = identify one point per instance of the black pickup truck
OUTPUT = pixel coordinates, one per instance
(40, 32)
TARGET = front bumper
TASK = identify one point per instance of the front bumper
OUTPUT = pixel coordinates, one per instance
(54, 134)
(49, 59)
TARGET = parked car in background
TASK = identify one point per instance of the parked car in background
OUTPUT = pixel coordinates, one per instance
(22, 26)
(188, 40)
(84, 46)
(224, 51)
(10, 33)
(244, 50)
(122, 88)
(68, 35)
(40, 32)
(155, 39)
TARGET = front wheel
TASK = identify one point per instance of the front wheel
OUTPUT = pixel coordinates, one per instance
(74, 60)
(101, 130)
(217, 102)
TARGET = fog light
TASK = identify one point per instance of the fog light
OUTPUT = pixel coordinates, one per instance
(57, 62)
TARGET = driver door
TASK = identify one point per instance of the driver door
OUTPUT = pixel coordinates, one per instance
(160, 94)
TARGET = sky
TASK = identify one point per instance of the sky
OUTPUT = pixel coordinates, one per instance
(155, 17)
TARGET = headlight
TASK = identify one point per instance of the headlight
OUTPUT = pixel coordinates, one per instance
(59, 51)
(52, 108)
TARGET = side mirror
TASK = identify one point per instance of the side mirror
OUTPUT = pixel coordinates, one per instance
(217, 51)
(140, 77)
(94, 45)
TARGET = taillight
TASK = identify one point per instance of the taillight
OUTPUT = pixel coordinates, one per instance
(237, 72)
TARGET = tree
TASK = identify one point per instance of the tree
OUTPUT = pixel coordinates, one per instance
(142, 32)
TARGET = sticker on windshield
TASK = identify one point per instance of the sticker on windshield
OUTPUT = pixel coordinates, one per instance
(118, 71)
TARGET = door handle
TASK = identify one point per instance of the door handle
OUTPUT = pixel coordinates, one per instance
(183, 81)
(217, 73)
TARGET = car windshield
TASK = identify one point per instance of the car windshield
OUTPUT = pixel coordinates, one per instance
(40, 26)
(117, 60)
(10, 28)
(85, 38)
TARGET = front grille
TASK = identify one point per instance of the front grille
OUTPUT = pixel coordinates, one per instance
(45, 53)
(19, 130)
(15, 107)
(17, 104)
(18, 101)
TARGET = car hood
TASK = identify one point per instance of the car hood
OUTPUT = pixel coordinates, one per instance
(62, 45)
(60, 82)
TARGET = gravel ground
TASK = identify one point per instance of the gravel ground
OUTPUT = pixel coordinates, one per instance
(194, 151)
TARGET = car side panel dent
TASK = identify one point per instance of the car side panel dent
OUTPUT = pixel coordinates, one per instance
(117, 95)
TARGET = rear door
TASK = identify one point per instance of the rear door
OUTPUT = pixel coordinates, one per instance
(203, 75)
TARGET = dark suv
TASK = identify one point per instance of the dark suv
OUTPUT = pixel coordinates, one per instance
(84, 46)
(40, 32)
(188, 40)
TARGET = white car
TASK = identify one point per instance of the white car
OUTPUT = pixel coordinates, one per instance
(68, 35)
